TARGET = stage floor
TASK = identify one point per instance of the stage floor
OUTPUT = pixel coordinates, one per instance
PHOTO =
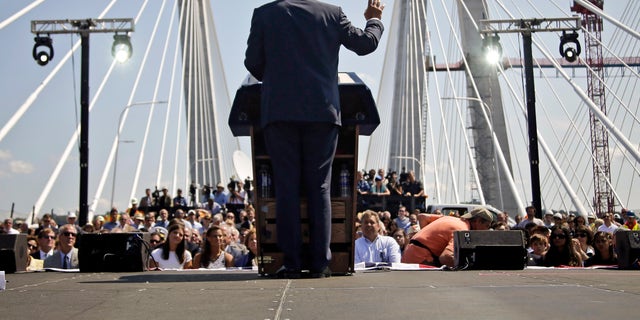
(524, 294)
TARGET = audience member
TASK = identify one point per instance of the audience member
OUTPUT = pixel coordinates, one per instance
(46, 244)
(562, 250)
(172, 254)
(608, 224)
(531, 217)
(219, 197)
(113, 219)
(631, 223)
(66, 257)
(47, 222)
(165, 200)
(163, 219)
(32, 245)
(212, 255)
(395, 188)
(585, 237)
(402, 221)
(604, 255)
(538, 246)
(156, 239)
(433, 244)
(378, 188)
(98, 223)
(548, 218)
(192, 223)
(147, 201)
(401, 238)
(373, 247)
(251, 242)
(192, 247)
(8, 227)
(179, 200)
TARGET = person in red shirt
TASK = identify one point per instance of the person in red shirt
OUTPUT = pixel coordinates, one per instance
(433, 244)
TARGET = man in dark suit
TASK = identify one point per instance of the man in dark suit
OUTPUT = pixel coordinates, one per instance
(293, 49)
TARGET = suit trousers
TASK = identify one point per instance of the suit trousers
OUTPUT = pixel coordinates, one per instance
(301, 156)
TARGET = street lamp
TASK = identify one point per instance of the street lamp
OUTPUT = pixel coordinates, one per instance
(526, 27)
(118, 141)
(83, 27)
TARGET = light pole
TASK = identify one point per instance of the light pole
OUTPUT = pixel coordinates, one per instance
(526, 27)
(83, 27)
(119, 130)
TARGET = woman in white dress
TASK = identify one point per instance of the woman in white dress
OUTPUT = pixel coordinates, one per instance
(213, 256)
(172, 254)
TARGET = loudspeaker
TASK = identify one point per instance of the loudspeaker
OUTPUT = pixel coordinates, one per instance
(13, 252)
(114, 252)
(628, 248)
(490, 250)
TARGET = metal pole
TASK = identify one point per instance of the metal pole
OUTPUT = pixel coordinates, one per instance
(534, 160)
(84, 125)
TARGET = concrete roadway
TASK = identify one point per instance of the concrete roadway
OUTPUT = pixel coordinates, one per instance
(525, 294)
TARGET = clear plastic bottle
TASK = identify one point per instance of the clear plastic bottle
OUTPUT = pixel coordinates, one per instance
(345, 189)
(265, 181)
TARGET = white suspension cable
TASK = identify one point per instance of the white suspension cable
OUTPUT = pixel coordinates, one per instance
(157, 88)
(179, 108)
(609, 18)
(442, 119)
(20, 13)
(152, 38)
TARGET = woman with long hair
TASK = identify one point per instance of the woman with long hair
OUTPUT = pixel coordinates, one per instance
(585, 237)
(213, 256)
(604, 254)
(562, 250)
(172, 254)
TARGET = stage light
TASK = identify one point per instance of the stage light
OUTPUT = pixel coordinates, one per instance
(42, 57)
(570, 53)
(492, 49)
(121, 49)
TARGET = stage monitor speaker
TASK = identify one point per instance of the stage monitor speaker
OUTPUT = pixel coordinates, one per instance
(489, 250)
(13, 252)
(114, 252)
(628, 248)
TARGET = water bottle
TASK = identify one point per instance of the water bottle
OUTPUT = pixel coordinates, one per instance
(345, 190)
(265, 181)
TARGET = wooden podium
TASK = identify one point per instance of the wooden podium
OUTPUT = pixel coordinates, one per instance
(359, 117)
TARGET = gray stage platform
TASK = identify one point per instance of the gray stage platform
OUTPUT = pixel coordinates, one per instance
(525, 294)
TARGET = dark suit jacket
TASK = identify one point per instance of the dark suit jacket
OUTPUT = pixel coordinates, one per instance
(293, 49)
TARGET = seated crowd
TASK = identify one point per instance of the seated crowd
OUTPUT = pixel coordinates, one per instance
(557, 240)
(217, 230)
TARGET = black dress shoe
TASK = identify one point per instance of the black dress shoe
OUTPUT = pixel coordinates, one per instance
(325, 273)
(287, 273)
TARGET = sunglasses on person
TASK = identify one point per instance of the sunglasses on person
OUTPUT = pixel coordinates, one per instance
(33, 246)
(48, 237)
(152, 241)
(69, 234)
(558, 236)
(581, 235)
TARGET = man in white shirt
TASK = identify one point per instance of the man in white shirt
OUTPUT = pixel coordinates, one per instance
(531, 217)
(608, 225)
(373, 247)
(8, 227)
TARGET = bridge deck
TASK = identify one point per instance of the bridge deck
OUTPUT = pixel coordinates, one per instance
(525, 294)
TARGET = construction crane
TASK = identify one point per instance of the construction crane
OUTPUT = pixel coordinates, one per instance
(603, 200)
